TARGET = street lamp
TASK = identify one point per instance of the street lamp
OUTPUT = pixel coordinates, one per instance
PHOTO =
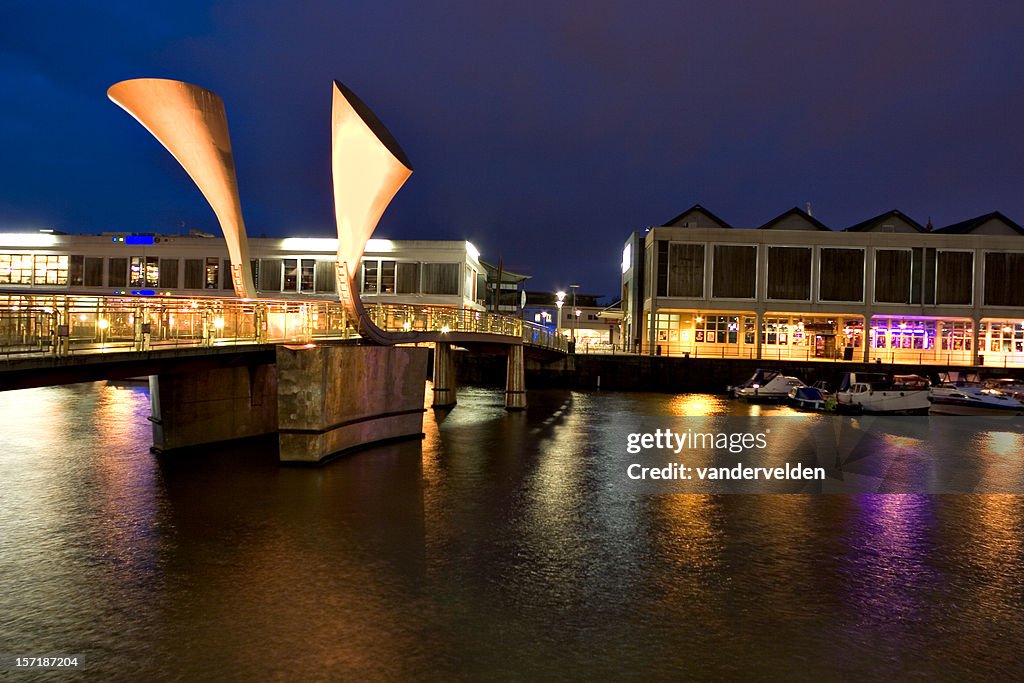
(577, 311)
(559, 301)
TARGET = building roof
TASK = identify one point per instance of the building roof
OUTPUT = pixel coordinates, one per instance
(871, 223)
(676, 222)
(798, 213)
(506, 274)
(972, 224)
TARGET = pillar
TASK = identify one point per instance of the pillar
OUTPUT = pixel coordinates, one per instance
(335, 399)
(975, 329)
(758, 322)
(444, 376)
(211, 405)
(515, 379)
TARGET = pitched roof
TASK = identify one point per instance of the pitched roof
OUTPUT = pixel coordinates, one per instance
(795, 211)
(697, 207)
(972, 224)
(877, 220)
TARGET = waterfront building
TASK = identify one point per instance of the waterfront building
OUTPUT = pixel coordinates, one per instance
(886, 289)
(507, 297)
(596, 327)
(425, 272)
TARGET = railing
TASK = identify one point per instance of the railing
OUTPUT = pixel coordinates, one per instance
(413, 318)
(61, 324)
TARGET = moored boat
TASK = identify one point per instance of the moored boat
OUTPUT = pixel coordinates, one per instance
(766, 386)
(807, 398)
(1014, 388)
(877, 393)
(960, 394)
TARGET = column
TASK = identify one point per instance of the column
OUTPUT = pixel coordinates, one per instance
(444, 376)
(515, 379)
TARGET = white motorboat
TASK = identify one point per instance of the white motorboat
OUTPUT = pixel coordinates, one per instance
(960, 394)
(883, 394)
(1014, 388)
(766, 385)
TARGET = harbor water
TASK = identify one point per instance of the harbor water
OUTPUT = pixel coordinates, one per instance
(502, 545)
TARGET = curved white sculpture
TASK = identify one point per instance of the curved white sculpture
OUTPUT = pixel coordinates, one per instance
(190, 122)
(368, 168)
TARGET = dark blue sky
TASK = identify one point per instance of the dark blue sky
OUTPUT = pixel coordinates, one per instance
(542, 132)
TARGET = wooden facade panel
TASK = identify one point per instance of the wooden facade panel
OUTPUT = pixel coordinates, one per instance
(789, 273)
(734, 272)
(954, 277)
(1004, 273)
(686, 270)
(892, 276)
(841, 275)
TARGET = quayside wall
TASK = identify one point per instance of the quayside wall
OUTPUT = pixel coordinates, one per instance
(677, 375)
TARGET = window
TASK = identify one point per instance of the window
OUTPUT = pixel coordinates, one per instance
(407, 278)
(387, 277)
(954, 278)
(135, 273)
(168, 273)
(470, 285)
(227, 282)
(212, 278)
(841, 275)
(789, 273)
(369, 278)
(307, 266)
(193, 273)
(144, 271)
(892, 276)
(291, 275)
(686, 270)
(51, 270)
(325, 276)
(734, 272)
(76, 271)
(1002, 268)
(271, 273)
(254, 268)
(15, 269)
(117, 272)
(93, 271)
(441, 278)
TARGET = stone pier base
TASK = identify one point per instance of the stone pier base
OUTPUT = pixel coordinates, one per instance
(332, 399)
(444, 376)
(219, 404)
(515, 380)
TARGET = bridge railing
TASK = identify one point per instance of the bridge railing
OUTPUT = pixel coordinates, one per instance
(63, 324)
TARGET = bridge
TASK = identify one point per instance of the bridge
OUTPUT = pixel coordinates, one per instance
(326, 376)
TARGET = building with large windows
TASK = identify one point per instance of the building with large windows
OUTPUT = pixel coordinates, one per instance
(428, 272)
(886, 289)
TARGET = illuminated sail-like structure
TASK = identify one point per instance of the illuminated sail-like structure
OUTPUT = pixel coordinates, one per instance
(368, 168)
(190, 122)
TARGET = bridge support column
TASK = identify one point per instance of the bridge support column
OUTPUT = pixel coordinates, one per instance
(444, 376)
(515, 379)
(332, 399)
(219, 404)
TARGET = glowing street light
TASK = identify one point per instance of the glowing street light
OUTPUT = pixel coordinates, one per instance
(577, 328)
(559, 301)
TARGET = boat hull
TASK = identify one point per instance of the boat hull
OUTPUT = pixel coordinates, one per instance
(885, 403)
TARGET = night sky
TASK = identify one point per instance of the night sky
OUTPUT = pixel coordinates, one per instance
(542, 132)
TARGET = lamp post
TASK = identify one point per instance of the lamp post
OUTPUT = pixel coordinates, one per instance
(559, 301)
(576, 311)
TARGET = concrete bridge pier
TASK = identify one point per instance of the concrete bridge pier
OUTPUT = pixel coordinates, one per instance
(444, 376)
(515, 379)
(211, 405)
(332, 399)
